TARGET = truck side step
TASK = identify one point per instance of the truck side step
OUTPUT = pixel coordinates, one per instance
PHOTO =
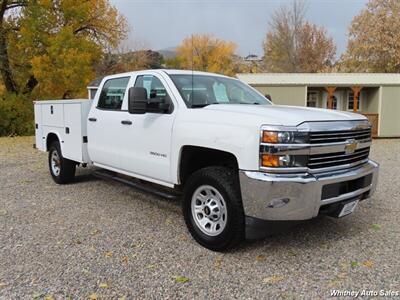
(150, 188)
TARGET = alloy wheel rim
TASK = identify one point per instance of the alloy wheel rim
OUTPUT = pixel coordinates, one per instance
(209, 210)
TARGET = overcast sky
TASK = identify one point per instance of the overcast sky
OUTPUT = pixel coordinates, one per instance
(160, 24)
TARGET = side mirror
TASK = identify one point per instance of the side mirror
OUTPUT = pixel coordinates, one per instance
(137, 100)
(139, 104)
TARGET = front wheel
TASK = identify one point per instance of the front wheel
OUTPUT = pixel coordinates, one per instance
(213, 208)
(61, 169)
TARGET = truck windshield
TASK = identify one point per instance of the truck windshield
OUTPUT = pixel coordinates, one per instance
(202, 90)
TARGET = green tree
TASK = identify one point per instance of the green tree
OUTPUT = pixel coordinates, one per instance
(16, 114)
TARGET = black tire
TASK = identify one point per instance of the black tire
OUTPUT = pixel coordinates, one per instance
(67, 167)
(226, 182)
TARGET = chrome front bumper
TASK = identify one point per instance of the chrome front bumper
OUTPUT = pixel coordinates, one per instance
(298, 196)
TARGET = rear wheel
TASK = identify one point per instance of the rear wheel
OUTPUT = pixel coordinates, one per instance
(61, 169)
(213, 208)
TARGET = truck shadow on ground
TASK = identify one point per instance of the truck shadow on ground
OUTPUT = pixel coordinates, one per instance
(317, 233)
(85, 177)
(305, 235)
(86, 174)
(321, 232)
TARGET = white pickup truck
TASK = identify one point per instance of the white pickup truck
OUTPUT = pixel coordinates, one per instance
(239, 163)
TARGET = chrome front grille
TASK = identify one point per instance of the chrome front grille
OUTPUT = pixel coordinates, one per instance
(323, 137)
(327, 160)
(321, 146)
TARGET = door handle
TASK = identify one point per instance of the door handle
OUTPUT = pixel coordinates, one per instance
(126, 122)
(92, 119)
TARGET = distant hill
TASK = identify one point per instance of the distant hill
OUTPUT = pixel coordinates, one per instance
(114, 63)
(168, 52)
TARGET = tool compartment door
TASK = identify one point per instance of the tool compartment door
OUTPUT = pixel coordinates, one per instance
(53, 114)
(39, 141)
(73, 139)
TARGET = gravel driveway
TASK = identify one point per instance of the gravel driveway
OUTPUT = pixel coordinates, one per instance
(100, 239)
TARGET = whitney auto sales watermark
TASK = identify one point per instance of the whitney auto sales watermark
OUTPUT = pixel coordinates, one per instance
(364, 293)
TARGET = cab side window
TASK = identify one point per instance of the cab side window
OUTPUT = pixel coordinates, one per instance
(155, 89)
(112, 93)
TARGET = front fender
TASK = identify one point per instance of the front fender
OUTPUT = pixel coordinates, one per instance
(240, 140)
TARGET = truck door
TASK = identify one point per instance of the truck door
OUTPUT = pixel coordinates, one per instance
(104, 123)
(146, 146)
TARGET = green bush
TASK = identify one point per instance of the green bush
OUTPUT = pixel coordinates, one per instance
(16, 115)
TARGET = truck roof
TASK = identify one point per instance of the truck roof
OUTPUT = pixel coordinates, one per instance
(189, 72)
(167, 71)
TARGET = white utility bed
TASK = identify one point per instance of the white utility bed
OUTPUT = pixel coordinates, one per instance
(68, 120)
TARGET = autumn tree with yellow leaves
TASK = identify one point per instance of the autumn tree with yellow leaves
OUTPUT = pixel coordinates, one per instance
(294, 45)
(204, 52)
(374, 39)
(50, 47)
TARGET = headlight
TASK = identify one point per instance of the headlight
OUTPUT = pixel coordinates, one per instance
(275, 137)
(283, 161)
(284, 137)
(274, 142)
(270, 160)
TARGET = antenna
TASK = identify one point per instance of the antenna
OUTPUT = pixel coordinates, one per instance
(192, 71)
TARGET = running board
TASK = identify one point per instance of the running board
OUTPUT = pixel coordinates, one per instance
(144, 187)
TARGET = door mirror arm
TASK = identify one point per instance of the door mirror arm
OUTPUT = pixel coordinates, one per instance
(158, 106)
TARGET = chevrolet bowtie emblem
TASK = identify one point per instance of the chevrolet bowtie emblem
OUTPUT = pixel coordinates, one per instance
(351, 146)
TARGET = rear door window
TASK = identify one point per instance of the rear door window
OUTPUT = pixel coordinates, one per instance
(112, 93)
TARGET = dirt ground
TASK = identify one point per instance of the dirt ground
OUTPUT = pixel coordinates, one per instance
(100, 239)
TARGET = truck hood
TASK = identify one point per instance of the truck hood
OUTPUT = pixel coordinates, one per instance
(285, 115)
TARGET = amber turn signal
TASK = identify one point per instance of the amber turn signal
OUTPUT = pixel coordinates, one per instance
(269, 160)
(270, 137)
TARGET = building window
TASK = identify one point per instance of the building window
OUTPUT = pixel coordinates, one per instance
(350, 101)
(334, 102)
(312, 98)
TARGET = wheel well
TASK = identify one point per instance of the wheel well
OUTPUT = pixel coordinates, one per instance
(194, 158)
(51, 137)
